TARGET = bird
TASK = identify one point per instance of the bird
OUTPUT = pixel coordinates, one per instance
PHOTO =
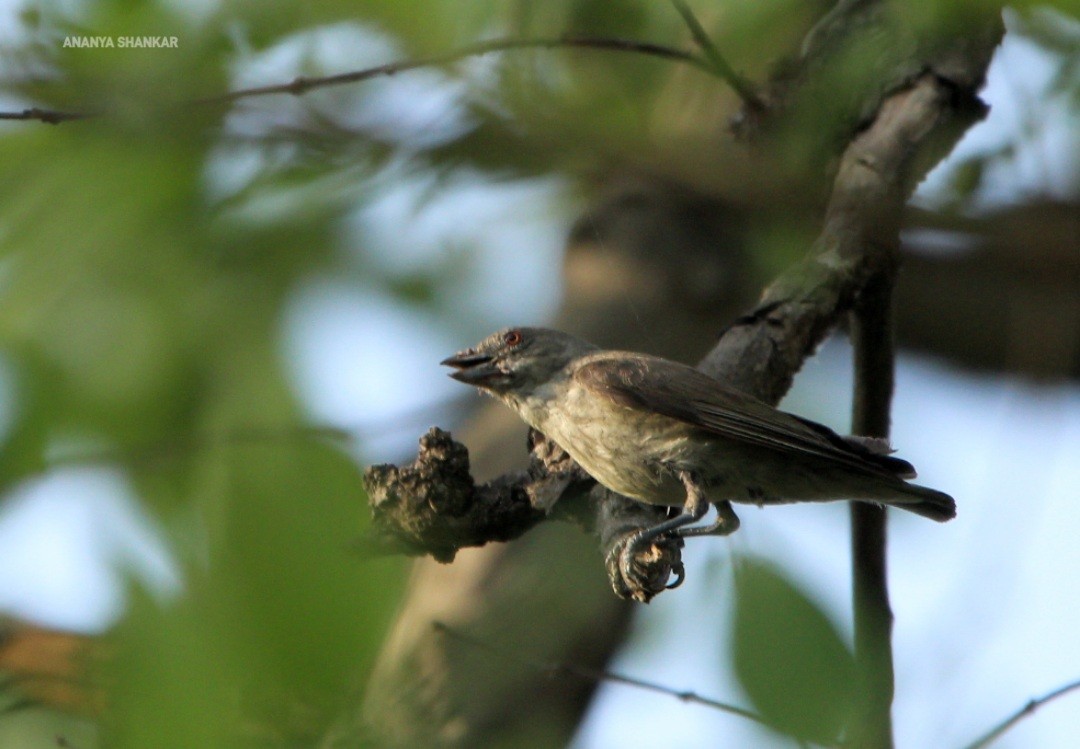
(664, 433)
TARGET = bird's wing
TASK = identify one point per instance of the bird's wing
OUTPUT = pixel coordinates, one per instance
(684, 393)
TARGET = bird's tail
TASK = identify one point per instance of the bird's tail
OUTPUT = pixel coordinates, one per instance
(930, 503)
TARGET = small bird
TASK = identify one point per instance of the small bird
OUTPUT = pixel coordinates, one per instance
(664, 433)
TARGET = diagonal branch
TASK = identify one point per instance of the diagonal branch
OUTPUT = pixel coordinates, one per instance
(1029, 709)
(302, 84)
(590, 674)
(719, 63)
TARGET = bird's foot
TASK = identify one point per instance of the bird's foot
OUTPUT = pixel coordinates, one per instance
(639, 566)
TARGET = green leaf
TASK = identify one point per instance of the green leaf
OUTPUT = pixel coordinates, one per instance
(287, 582)
(171, 679)
(789, 657)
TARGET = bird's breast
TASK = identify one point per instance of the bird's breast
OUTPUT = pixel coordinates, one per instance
(627, 450)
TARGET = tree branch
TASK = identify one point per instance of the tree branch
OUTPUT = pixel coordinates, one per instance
(1029, 709)
(433, 506)
(720, 65)
(302, 84)
(597, 675)
(48, 116)
(872, 338)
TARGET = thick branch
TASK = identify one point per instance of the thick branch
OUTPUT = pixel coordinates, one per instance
(761, 353)
(433, 506)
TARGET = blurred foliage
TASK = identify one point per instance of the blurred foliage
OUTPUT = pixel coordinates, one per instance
(147, 259)
(1057, 37)
(789, 657)
(142, 319)
(1058, 34)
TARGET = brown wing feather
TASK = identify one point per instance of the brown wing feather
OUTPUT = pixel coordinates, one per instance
(684, 393)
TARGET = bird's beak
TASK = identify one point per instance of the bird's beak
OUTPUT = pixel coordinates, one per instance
(472, 368)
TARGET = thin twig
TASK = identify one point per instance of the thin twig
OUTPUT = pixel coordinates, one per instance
(48, 116)
(720, 66)
(302, 84)
(1028, 709)
(600, 676)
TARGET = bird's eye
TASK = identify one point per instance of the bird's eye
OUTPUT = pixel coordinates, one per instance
(513, 338)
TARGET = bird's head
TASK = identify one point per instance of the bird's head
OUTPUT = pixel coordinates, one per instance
(516, 360)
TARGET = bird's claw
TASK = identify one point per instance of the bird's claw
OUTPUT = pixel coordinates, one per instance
(640, 568)
(679, 571)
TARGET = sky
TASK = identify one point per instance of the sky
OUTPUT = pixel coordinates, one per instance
(985, 606)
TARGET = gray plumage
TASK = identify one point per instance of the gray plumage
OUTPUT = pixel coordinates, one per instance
(665, 433)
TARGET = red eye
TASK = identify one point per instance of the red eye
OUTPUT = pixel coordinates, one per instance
(513, 338)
